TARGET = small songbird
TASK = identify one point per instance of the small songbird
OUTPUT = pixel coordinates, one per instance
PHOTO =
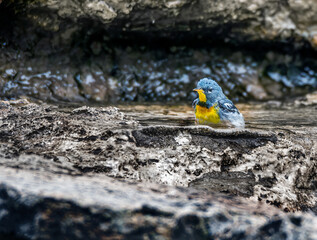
(213, 107)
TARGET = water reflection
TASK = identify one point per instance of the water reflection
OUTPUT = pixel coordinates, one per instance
(257, 116)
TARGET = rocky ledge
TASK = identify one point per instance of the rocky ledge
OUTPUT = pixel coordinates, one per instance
(91, 172)
(238, 21)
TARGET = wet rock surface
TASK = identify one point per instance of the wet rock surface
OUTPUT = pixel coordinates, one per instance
(214, 140)
(165, 74)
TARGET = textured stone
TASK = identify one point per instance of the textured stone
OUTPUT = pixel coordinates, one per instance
(114, 51)
(41, 205)
(256, 19)
(56, 164)
(90, 140)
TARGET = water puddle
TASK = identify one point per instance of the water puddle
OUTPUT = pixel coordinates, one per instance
(257, 116)
(263, 116)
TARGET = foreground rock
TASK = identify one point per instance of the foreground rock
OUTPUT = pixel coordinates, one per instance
(39, 205)
(276, 167)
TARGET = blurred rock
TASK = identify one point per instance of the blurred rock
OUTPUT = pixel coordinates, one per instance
(255, 20)
(308, 100)
(133, 76)
(41, 205)
(153, 51)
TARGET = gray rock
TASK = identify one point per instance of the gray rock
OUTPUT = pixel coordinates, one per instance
(254, 20)
(90, 140)
(56, 164)
(41, 205)
(237, 183)
(114, 51)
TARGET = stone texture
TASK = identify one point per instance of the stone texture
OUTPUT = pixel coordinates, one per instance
(256, 19)
(114, 51)
(103, 140)
(41, 205)
(56, 164)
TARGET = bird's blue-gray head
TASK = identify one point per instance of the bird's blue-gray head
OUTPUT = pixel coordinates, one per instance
(209, 91)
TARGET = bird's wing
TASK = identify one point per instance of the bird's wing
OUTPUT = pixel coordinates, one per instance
(229, 112)
(227, 106)
(195, 102)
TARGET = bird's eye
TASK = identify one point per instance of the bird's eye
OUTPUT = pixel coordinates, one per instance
(209, 90)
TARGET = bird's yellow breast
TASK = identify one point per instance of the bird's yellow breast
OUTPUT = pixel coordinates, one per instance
(207, 115)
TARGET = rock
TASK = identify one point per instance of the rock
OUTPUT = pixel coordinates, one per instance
(116, 51)
(94, 172)
(40, 205)
(258, 20)
(205, 137)
(141, 77)
(89, 140)
(308, 100)
(237, 183)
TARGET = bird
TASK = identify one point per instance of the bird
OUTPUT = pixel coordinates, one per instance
(213, 107)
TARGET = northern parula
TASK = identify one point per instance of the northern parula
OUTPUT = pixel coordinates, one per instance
(212, 106)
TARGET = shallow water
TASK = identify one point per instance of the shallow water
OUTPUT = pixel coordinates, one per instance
(257, 116)
(267, 116)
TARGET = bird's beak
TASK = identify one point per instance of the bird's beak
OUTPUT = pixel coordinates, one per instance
(199, 90)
